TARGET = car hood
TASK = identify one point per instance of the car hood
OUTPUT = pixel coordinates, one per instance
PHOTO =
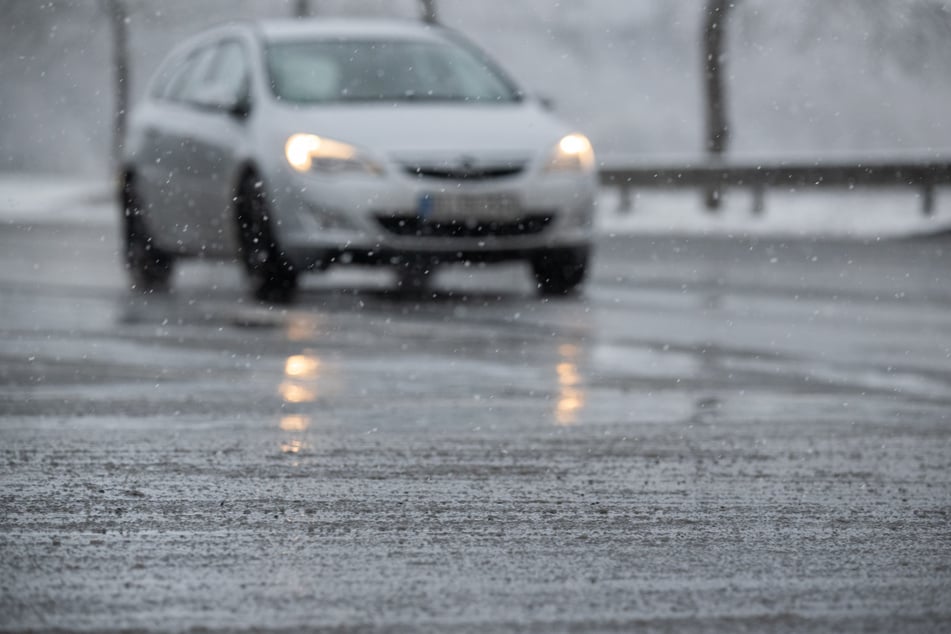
(432, 131)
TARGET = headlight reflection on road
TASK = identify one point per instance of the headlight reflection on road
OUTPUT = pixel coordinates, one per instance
(301, 378)
(571, 396)
(301, 383)
(293, 393)
(295, 425)
(302, 365)
(295, 422)
(302, 328)
(292, 446)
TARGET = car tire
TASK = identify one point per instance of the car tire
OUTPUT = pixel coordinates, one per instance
(273, 278)
(149, 266)
(560, 271)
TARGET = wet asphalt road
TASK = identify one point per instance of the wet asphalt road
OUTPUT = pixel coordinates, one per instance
(718, 435)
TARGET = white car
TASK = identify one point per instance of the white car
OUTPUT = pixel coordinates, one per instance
(299, 145)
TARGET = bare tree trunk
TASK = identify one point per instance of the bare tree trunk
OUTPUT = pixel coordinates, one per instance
(118, 17)
(301, 9)
(429, 12)
(717, 126)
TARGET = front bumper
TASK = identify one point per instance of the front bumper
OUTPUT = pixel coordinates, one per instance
(369, 219)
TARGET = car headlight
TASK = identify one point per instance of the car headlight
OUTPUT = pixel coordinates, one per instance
(573, 153)
(309, 152)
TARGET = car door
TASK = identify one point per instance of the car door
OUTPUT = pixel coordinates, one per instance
(216, 146)
(166, 169)
(202, 133)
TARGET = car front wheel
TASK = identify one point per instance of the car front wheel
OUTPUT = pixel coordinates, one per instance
(272, 276)
(560, 271)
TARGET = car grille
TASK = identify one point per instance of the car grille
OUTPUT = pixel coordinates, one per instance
(465, 173)
(416, 226)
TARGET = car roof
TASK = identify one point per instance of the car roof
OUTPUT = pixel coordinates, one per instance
(346, 28)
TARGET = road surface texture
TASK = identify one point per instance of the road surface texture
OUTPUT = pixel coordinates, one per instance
(717, 435)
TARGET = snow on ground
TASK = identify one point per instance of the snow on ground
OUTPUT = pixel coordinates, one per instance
(47, 199)
(862, 214)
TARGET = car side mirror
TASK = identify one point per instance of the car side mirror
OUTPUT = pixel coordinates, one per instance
(223, 100)
(546, 102)
(240, 107)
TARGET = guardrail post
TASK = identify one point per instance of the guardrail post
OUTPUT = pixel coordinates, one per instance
(713, 195)
(927, 199)
(759, 200)
(625, 203)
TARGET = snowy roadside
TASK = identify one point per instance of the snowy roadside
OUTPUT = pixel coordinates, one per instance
(862, 215)
(51, 199)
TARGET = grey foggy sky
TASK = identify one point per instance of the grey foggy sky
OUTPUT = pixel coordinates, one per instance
(806, 77)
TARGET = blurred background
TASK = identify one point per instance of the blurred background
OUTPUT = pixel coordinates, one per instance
(803, 78)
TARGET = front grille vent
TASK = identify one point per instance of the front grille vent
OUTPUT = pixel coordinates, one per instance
(465, 172)
(416, 226)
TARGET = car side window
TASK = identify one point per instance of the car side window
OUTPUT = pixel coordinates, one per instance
(187, 81)
(167, 71)
(228, 78)
(174, 78)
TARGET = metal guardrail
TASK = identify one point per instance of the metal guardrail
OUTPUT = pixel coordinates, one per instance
(761, 176)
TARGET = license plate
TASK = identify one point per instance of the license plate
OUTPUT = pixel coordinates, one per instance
(442, 207)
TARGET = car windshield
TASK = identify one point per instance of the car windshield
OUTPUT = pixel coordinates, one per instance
(316, 72)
